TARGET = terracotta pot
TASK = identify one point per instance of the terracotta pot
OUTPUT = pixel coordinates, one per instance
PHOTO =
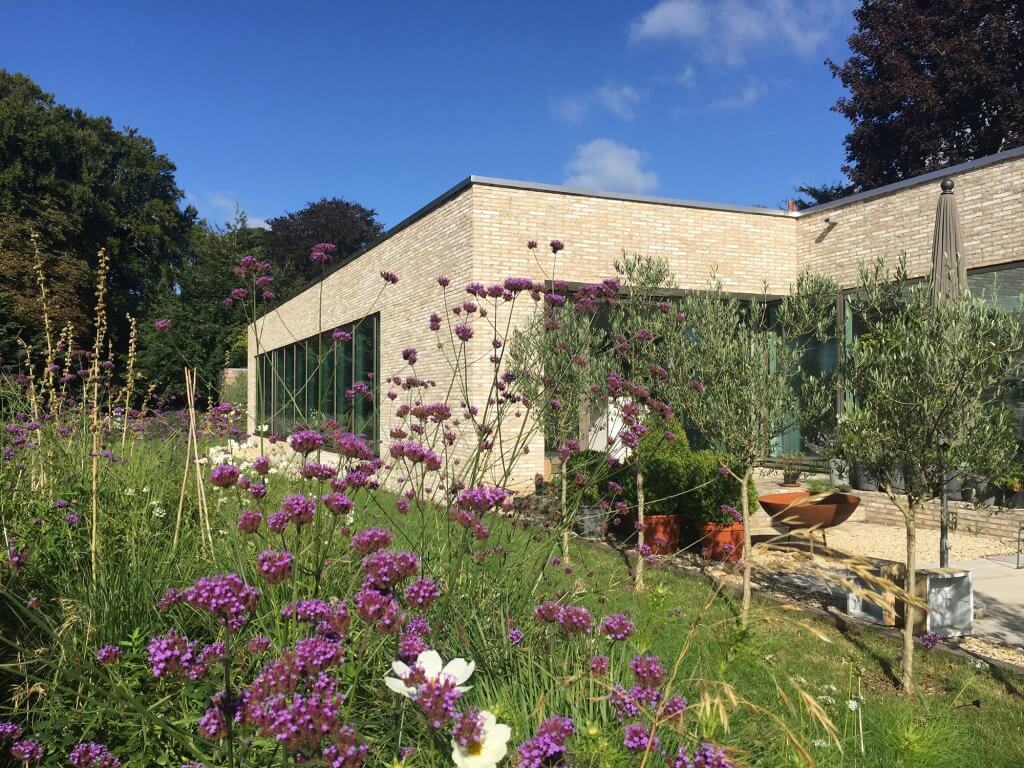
(722, 542)
(661, 533)
(791, 509)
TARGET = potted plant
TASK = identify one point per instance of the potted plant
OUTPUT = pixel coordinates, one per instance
(722, 534)
(712, 504)
(1010, 488)
(791, 470)
(586, 474)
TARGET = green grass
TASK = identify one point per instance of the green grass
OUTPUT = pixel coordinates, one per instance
(961, 715)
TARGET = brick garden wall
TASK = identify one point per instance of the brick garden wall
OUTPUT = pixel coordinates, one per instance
(987, 521)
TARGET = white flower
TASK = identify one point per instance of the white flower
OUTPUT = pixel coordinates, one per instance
(129, 491)
(459, 670)
(853, 704)
(822, 743)
(145, 489)
(490, 750)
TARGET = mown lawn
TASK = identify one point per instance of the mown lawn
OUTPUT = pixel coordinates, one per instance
(964, 713)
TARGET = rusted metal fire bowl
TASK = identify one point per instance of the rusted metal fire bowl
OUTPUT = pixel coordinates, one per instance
(797, 509)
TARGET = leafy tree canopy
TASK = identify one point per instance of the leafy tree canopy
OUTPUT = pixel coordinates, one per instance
(825, 193)
(348, 225)
(931, 84)
(204, 334)
(81, 185)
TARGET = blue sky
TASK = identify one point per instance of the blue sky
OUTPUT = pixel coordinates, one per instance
(272, 105)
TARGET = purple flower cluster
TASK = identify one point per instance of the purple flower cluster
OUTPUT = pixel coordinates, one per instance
(224, 596)
(730, 511)
(617, 626)
(422, 592)
(108, 654)
(314, 470)
(379, 609)
(294, 701)
(224, 475)
(706, 756)
(468, 728)
(437, 698)
(261, 465)
(275, 565)
(338, 503)
(416, 453)
(321, 253)
(92, 755)
(930, 640)
(648, 671)
(295, 508)
(548, 746)
(385, 569)
(332, 619)
(372, 539)
(162, 324)
(27, 750)
(249, 521)
(637, 737)
(305, 441)
(572, 619)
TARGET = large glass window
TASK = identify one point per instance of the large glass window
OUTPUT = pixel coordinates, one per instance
(1001, 286)
(321, 378)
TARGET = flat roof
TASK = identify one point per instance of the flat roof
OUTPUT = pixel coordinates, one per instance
(492, 181)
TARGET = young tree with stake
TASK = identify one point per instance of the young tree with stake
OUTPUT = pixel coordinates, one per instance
(743, 384)
(927, 385)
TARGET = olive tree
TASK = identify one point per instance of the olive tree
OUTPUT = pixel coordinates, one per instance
(927, 386)
(743, 384)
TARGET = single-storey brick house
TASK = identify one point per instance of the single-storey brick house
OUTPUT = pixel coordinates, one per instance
(478, 230)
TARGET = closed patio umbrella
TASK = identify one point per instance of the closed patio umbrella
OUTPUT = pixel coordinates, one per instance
(949, 265)
(949, 280)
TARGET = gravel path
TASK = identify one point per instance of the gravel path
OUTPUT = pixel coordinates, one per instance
(887, 542)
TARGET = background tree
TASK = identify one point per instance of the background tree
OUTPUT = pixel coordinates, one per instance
(81, 185)
(348, 225)
(747, 385)
(825, 193)
(931, 83)
(204, 333)
(919, 411)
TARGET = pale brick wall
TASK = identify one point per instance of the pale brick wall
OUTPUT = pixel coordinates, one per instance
(438, 243)
(747, 249)
(990, 201)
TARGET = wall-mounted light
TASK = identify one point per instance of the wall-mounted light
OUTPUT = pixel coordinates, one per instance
(832, 219)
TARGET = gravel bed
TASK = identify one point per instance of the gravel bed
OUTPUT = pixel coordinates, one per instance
(887, 542)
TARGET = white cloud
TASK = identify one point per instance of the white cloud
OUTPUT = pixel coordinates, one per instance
(224, 206)
(688, 77)
(607, 166)
(730, 30)
(671, 19)
(745, 98)
(620, 100)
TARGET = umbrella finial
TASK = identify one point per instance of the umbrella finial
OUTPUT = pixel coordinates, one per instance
(947, 186)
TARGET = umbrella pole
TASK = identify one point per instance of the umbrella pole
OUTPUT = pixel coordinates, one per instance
(944, 530)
